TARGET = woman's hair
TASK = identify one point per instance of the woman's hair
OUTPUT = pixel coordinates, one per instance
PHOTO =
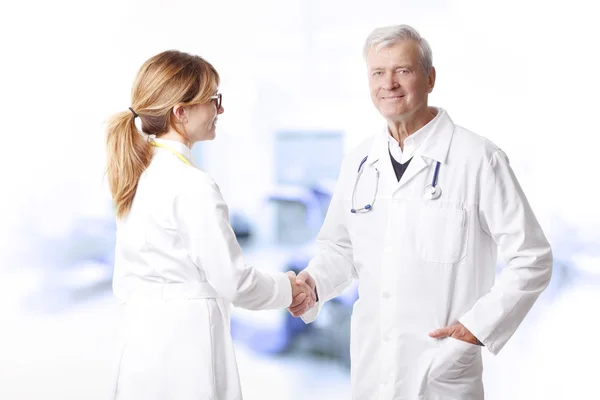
(165, 80)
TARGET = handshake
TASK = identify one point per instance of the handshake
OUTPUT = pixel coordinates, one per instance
(304, 293)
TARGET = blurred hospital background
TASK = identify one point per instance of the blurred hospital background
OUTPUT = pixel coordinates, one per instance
(522, 73)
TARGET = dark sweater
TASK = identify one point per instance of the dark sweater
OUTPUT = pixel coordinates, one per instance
(399, 168)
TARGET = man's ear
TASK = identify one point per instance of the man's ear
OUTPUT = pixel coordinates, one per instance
(431, 80)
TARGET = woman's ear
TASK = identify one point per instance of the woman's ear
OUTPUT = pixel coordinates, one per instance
(180, 114)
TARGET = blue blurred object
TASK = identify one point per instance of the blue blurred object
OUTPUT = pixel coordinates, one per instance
(73, 265)
(241, 227)
(299, 212)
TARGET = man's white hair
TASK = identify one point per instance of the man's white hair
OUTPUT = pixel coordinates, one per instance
(389, 35)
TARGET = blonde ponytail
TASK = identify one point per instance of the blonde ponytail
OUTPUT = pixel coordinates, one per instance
(128, 155)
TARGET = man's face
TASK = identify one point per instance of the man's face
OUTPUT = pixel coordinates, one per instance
(399, 87)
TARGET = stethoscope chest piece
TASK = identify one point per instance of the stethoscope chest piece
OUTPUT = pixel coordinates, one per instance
(432, 192)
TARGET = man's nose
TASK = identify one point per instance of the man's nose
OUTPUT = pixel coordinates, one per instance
(390, 83)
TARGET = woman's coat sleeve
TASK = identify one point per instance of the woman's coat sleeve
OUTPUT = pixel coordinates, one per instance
(203, 222)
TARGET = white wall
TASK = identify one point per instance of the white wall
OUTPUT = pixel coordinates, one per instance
(521, 73)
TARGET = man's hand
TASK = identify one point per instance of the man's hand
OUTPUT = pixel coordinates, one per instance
(301, 296)
(307, 296)
(456, 331)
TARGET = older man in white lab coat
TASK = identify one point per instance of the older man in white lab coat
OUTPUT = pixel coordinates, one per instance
(419, 213)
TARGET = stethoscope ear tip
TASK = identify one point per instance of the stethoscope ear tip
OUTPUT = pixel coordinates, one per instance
(353, 211)
(368, 207)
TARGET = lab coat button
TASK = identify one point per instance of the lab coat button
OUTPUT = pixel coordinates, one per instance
(385, 295)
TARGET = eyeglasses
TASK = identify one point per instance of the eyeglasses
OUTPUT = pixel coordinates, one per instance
(218, 99)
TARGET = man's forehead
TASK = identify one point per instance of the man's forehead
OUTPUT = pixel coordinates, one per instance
(391, 55)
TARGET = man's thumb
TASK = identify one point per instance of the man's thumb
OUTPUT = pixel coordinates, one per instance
(440, 333)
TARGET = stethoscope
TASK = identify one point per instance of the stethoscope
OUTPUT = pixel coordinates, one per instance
(432, 191)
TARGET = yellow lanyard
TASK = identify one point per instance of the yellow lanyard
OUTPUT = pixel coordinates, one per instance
(182, 158)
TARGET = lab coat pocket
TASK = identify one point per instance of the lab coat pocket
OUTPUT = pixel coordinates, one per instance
(442, 232)
(455, 359)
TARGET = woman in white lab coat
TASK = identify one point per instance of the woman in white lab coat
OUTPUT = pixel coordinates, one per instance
(178, 266)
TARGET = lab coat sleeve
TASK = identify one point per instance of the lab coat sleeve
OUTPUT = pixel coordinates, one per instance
(333, 267)
(203, 222)
(506, 215)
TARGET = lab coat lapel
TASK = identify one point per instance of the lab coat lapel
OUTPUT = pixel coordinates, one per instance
(417, 164)
(434, 149)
